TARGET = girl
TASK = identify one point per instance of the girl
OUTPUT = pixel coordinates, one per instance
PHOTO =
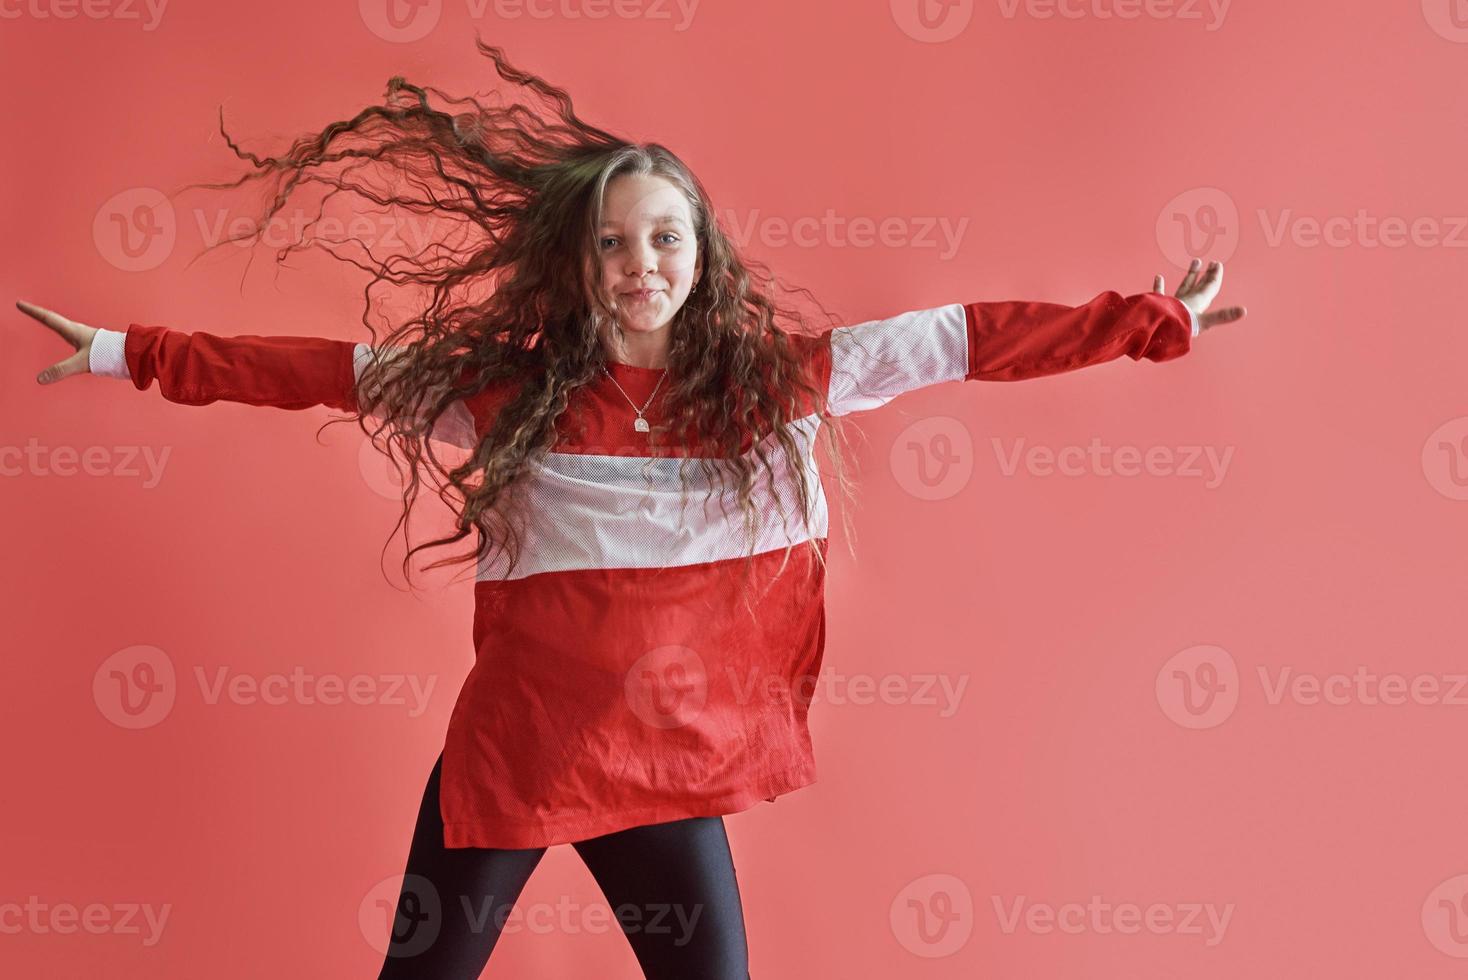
(640, 648)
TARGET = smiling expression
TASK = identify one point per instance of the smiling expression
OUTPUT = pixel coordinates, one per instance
(647, 255)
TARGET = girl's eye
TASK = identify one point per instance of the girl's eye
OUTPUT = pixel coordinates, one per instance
(666, 234)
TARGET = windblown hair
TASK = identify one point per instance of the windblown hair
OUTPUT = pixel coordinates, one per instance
(512, 296)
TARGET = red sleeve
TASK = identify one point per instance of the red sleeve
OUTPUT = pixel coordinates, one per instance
(868, 364)
(1014, 340)
(195, 368)
(283, 372)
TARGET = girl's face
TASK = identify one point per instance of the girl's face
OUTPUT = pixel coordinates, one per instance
(647, 252)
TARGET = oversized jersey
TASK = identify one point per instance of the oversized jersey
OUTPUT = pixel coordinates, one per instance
(620, 678)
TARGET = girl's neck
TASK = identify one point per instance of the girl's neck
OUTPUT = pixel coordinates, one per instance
(644, 352)
(623, 370)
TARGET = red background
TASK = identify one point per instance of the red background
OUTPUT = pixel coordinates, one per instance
(1078, 154)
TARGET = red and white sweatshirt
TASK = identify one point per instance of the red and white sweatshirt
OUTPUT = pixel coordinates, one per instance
(619, 678)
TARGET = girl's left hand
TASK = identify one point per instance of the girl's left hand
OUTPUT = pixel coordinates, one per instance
(1197, 291)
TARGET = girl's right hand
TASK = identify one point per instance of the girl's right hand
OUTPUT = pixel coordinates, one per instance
(1198, 291)
(78, 335)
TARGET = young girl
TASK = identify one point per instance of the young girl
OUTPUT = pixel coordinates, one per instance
(641, 650)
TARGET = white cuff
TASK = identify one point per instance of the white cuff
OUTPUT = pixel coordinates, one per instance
(1194, 317)
(107, 356)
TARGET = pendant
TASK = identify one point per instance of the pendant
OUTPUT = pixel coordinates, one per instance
(640, 424)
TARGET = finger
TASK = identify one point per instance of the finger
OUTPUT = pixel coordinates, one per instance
(39, 312)
(1226, 315)
(50, 318)
(1157, 285)
(75, 334)
(1210, 282)
(1188, 278)
(75, 364)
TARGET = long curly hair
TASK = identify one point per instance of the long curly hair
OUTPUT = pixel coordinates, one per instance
(512, 299)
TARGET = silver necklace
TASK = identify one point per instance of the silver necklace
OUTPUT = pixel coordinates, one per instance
(640, 423)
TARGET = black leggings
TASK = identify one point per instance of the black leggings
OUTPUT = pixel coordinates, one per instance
(671, 889)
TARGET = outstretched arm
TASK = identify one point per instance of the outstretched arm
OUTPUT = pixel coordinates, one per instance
(281, 372)
(200, 368)
(868, 364)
